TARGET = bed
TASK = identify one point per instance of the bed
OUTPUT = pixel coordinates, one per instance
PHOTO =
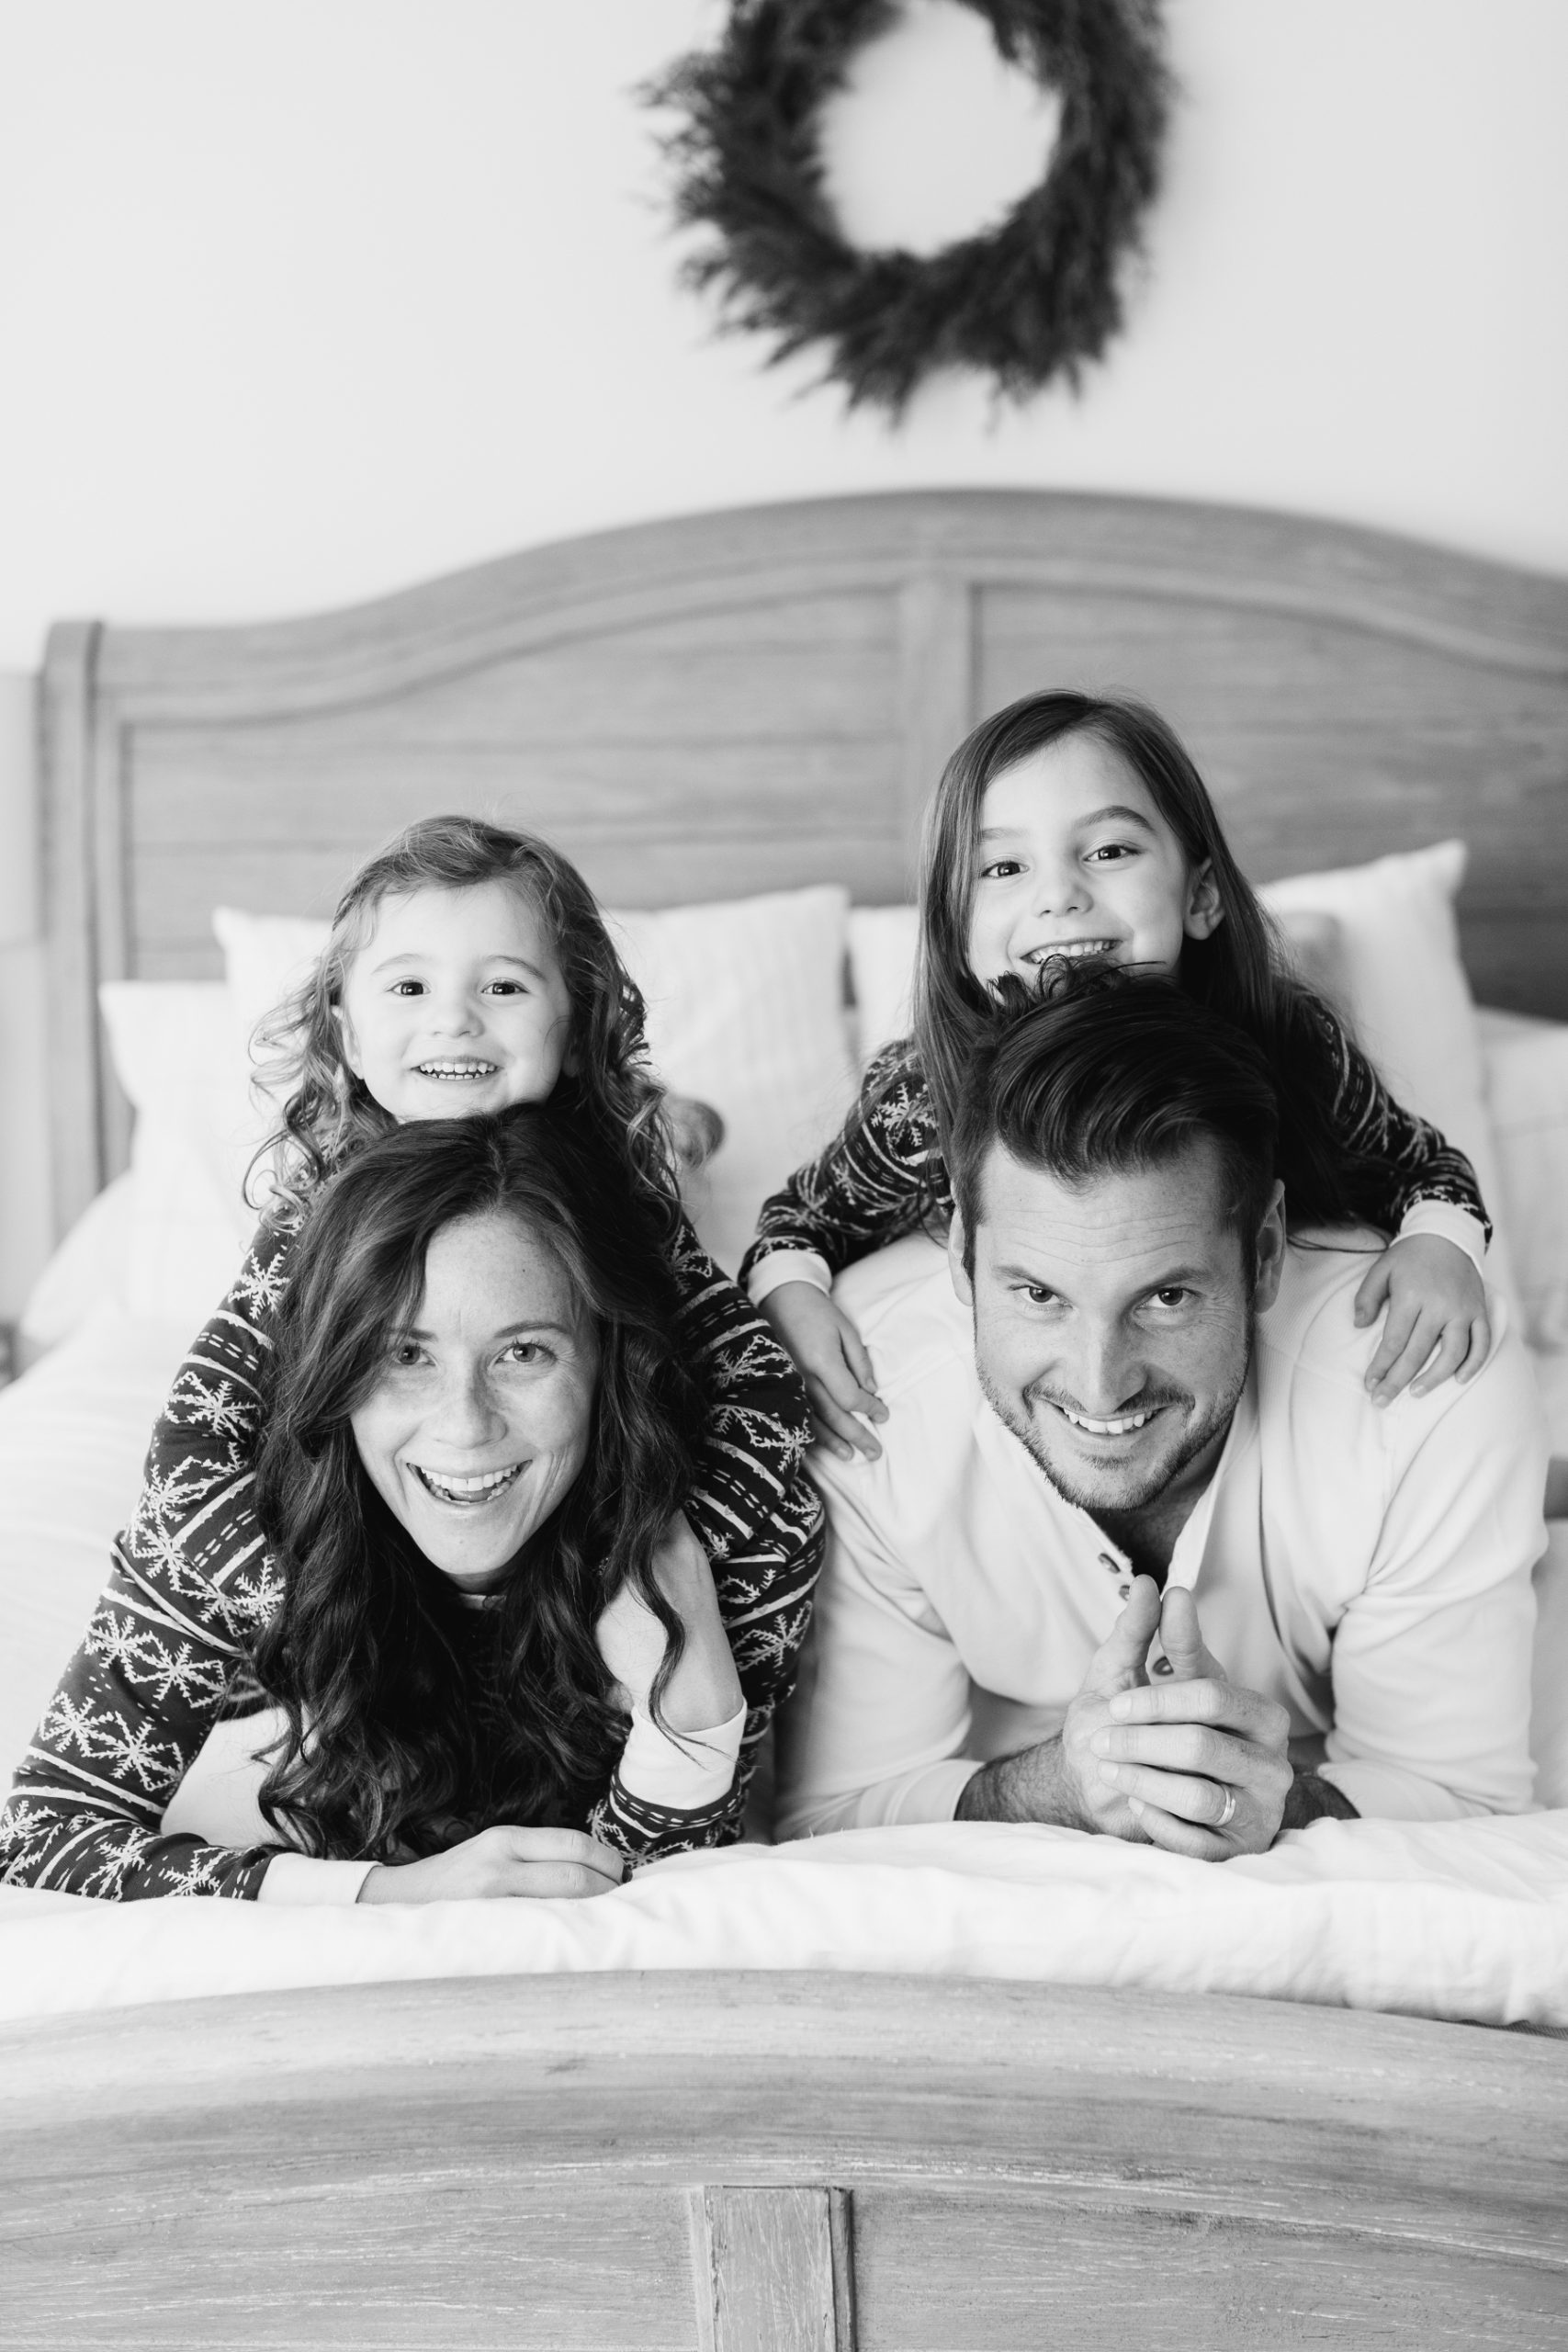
(956, 2088)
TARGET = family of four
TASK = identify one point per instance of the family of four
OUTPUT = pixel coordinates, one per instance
(1175, 1477)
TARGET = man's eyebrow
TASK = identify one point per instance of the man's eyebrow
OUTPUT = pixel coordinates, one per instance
(1091, 816)
(1169, 1279)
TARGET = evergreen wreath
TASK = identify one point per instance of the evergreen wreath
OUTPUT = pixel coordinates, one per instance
(1034, 297)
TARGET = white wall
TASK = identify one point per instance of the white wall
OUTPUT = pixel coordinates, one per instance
(302, 302)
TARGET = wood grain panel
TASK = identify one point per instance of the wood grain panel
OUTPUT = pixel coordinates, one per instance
(772, 2269)
(434, 2164)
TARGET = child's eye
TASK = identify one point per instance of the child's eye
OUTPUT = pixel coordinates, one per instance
(1112, 853)
(504, 988)
(408, 987)
(1001, 869)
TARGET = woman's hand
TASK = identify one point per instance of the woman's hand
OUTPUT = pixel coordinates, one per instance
(704, 1689)
(500, 1862)
(1436, 1301)
(840, 1380)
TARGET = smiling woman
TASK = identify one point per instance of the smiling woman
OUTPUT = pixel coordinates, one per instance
(484, 1636)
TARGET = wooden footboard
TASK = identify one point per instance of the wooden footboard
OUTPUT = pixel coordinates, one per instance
(749, 2162)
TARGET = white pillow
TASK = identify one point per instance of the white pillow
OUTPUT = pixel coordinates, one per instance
(883, 940)
(1549, 1697)
(745, 1003)
(85, 1276)
(745, 1010)
(175, 1053)
(1526, 1068)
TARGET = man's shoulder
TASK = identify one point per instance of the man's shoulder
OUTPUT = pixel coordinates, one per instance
(1310, 1343)
(902, 1302)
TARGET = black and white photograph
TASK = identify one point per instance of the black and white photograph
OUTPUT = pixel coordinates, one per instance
(783, 1175)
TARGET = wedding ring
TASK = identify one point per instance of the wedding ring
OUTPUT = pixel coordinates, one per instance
(1229, 1814)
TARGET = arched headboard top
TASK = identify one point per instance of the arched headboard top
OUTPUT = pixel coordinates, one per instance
(738, 701)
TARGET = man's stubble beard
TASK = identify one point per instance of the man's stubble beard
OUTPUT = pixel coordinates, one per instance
(1027, 1432)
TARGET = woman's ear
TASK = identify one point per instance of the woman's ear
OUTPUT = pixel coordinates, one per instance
(1204, 910)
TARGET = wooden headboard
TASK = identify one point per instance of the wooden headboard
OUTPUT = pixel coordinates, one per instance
(743, 701)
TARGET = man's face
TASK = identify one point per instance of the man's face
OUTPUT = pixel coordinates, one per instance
(1113, 1320)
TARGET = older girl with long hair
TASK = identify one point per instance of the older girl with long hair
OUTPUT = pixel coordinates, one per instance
(1073, 826)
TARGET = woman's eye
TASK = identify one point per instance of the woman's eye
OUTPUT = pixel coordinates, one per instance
(526, 1352)
(407, 1353)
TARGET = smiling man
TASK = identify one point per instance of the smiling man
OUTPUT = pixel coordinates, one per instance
(1140, 1555)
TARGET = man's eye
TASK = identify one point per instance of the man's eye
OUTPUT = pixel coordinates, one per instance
(1038, 1295)
(1175, 1295)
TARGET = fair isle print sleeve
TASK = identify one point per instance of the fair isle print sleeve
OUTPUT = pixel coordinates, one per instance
(1427, 1166)
(191, 1587)
(877, 1179)
(760, 1520)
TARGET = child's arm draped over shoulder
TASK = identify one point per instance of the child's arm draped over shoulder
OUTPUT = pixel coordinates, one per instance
(190, 1588)
(1429, 1283)
(872, 1184)
(758, 1517)
(876, 1181)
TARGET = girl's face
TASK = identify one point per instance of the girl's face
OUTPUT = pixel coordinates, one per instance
(456, 1004)
(1073, 858)
(480, 1422)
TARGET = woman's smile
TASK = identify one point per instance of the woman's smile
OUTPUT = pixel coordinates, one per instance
(465, 1491)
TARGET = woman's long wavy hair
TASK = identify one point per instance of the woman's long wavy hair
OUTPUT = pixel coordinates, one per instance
(329, 1112)
(414, 1719)
(1240, 971)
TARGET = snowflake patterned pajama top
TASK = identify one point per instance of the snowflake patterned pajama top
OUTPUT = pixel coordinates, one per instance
(192, 1584)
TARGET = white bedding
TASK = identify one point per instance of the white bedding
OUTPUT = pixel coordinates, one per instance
(1462, 1920)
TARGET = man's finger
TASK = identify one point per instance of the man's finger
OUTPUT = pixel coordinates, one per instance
(1182, 1638)
(1118, 1663)
(1176, 1835)
(1189, 1798)
(1229, 1706)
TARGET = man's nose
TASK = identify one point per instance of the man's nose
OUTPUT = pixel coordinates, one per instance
(1104, 1373)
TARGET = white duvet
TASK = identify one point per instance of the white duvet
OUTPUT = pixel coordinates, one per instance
(1466, 1920)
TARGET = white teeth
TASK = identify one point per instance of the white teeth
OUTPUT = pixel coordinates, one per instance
(1070, 949)
(456, 1069)
(466, 1490)
(1118, 1427)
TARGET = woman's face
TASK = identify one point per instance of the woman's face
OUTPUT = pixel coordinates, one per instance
(478, 1423)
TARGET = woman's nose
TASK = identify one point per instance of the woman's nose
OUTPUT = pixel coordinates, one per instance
(466, 1413)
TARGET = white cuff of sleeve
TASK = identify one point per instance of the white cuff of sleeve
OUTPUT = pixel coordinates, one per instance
(787, 1266)
(297, 1879)
(1448, 1224)
(683, 1772)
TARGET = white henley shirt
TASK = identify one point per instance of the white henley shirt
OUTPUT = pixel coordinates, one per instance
(1370, 1570)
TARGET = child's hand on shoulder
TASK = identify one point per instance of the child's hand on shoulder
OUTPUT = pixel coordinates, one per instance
(840, 1381)
(1436, 1321)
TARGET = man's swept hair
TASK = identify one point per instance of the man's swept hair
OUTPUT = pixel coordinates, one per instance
(1107, 1072)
